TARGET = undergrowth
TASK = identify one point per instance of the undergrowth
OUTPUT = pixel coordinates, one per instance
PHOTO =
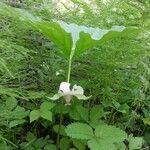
(116, 74)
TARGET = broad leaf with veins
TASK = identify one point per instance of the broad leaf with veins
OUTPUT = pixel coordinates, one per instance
(72, 39)
(85, 38)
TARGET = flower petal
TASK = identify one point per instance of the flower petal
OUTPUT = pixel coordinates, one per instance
(55, 97)
(64, 87)
(77, 90)
(82, 97)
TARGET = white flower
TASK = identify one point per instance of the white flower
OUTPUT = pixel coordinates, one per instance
(64, 87)
(67, 93)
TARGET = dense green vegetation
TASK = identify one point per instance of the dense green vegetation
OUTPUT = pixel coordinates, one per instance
(114, 72)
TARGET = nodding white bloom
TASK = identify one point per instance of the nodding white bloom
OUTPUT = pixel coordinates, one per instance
(66, 92)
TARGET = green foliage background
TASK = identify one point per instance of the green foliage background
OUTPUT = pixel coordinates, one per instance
(116, 74)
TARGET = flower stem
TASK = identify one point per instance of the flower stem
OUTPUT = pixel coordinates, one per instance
(61, 115)
(69, 69)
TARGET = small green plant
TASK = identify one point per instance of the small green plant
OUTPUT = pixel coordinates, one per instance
(44, 112)
(104, 137)
(73, 40)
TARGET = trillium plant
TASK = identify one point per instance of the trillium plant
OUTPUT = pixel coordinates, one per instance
(73, 40)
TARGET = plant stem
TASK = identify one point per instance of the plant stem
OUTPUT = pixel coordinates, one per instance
(69, 69)
(61, 115)
(59, 128)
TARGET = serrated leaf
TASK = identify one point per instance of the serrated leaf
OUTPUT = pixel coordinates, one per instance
(110, 133)
(96, 113)
(34, 115)
(46, 114)
(73, 113)
(120, 146)
(79, 131)
(83, 112)
(15, 123)
(97, 144)
(94, 123)
(46, 106)
(106, 137)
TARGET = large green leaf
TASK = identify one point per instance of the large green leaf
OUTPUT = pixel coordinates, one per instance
(46, 115)
(85, 38)
(110, 133)
(79, 131)
(16, 122)
(46, 106)
(86, 41)
(56, 34)
(106, 137)
(72, 39)
(96, 113)
(52, 30)
(34, 115)
(97, 144)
